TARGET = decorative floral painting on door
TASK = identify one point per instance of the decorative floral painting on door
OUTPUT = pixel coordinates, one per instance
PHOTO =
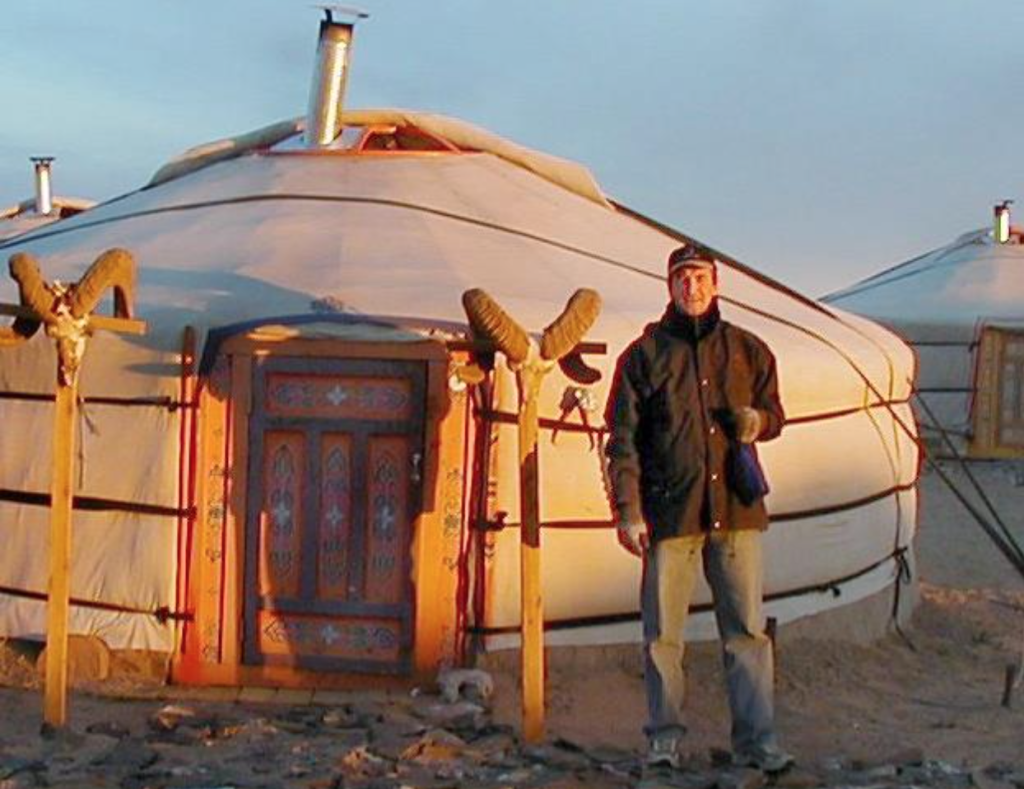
(335, 449)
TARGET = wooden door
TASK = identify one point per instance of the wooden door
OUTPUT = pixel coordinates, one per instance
(336, 449)
(1010, 396)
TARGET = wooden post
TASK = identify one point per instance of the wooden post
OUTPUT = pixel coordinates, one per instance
(65, 311)
(531, 362)
(59, 587)
(532, 601)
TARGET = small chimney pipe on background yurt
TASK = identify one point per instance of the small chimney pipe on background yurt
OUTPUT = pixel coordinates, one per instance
(330, 73)
(1001, 222)
(44, 190)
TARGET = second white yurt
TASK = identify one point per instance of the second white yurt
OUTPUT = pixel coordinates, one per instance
(961, 307)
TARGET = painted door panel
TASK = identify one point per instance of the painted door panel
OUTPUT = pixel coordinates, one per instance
(334, 489)
(1011, 391)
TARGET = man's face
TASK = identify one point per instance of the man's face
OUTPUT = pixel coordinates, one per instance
(693, 289)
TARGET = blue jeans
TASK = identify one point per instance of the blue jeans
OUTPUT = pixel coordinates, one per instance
(732, 565)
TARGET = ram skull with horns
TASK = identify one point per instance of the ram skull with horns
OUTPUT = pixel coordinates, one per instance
(527, 358)
(531, 361)
(64, 309)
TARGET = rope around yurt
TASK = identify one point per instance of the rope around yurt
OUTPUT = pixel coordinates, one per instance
(1003, 537)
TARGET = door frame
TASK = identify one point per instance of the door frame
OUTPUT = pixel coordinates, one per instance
(213, 643)
(986, 420)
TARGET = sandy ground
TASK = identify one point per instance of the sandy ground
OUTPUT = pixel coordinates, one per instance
(937, 690)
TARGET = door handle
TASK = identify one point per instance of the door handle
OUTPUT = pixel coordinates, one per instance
(417, 462)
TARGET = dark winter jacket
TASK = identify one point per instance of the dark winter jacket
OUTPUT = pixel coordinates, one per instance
(669, 421)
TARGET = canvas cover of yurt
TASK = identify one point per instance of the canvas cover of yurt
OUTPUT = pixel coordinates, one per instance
(286, 480)
(961, 308)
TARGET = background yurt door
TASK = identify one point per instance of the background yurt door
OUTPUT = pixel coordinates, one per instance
(999, 406)
(335, 458)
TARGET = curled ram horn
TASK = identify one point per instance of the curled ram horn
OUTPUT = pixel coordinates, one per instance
(577, 370)
(490, 321)
(33, 294)
(114, 268)
(31, 286)
(562, 335)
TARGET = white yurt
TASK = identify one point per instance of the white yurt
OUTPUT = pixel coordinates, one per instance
(285, 479)
(961, 308)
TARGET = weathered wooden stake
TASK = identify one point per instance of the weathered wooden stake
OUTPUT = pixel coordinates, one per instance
(59, 588)
(65, 312)
(532, 596)
(531, 362)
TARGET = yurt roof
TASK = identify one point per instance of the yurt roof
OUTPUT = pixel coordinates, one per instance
(973, 278)
(398, 218)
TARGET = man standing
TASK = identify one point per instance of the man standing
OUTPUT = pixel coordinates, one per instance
(688, 392)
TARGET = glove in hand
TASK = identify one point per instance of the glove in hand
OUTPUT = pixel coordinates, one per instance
(632, 537)
(747, 423)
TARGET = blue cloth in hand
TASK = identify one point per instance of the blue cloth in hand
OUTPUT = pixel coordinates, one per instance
(744, 473)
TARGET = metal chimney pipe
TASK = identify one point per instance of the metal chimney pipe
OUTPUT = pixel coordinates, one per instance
(44, 192)
(327, 93)
(1001, 222)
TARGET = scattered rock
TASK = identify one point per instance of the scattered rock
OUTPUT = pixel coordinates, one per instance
(983, 779)
(359, 763)
(183, 737)
(11, 766)
(665, 778)
(799, 778)
(23, 781)
(606, 754)
(744, 778)
(61, 738)
(342, 718)
(295, 726)
(833, 764)
(497, 749)
(463, 715)
(436, 746)
(720, 757)
(518, 776)
(908, 757)
(130, 753)
(999, 770)
(471, 684)
(252, 730)
(563, 755)
(299, 770)
(946, 770)
(109, 729)
(168, 718)
(400, 723)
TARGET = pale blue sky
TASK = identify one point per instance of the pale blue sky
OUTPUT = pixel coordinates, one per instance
(818, 140)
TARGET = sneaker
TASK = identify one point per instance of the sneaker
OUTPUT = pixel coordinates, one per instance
(768, 759)
(663, 752)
